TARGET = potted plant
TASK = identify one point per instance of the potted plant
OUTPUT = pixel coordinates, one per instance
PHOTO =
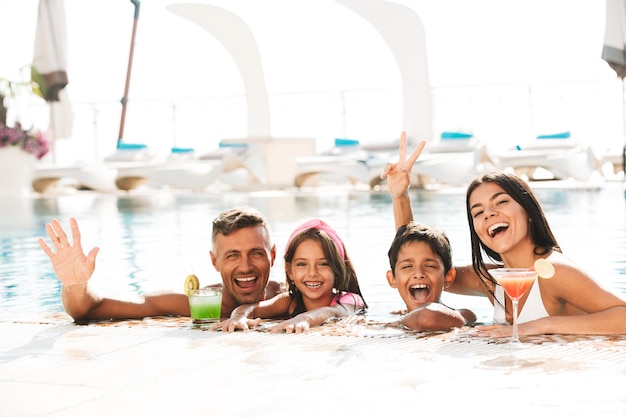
(30, 141)
(19, 147)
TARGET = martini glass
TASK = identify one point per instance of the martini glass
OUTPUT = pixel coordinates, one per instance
(515, 281)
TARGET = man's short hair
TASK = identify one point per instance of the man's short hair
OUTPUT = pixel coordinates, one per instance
(237, 218)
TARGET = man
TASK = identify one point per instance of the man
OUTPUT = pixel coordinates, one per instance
(242, 252)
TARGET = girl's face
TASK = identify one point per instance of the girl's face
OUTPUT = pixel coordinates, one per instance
(501, 223)
(312, 274)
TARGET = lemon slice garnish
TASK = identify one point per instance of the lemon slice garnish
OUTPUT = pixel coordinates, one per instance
(544, 268)
(191, 283)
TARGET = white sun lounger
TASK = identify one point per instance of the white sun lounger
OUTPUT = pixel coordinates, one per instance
(345, 161)
(614, 158)
(98, 177)
(183, 169)
(558, 154)
(453, 160)
(133, 163)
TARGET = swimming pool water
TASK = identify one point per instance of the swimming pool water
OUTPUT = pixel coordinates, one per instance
(151, 240)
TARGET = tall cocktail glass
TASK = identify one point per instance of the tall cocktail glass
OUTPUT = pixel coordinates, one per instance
(515, 281)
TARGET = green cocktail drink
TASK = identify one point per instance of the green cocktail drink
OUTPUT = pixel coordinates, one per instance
(205, 305)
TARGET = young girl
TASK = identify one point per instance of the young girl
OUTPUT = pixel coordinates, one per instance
(321, 281)
(507, 223)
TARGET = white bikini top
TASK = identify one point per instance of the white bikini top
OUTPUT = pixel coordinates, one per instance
(533, 307)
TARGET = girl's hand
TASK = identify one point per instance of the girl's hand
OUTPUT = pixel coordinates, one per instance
(232, 324)
(298, 324)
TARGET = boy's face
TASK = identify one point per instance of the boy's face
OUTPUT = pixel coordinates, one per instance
(419, 275)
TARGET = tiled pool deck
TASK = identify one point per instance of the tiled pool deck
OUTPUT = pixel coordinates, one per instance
(50, 366)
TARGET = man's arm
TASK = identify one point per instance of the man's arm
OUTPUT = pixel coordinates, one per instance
(83, 305)
(74, 269)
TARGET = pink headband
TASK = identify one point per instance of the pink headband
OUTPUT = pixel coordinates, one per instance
(319, 224)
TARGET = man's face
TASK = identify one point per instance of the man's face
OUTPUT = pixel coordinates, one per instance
(243, 259)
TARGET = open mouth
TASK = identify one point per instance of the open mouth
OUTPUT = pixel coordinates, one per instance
(313, 285)
(420, 293)
(497, 228)
(246, 282)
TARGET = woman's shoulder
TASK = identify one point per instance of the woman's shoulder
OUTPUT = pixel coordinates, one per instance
(563, 263)
(566, 273)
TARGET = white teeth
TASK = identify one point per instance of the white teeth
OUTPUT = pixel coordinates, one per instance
(246, 279)
(493, 227)
(419, 286)
(310, 285)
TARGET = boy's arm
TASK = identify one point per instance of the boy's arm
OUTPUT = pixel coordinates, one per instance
(434, 317)
(468, 315)
(402, 213)
(399, 180)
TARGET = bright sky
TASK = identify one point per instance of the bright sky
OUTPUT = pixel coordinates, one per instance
(312, 45)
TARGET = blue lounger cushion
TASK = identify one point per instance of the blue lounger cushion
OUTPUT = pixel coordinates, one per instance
(346, 142)
(182, 150)
(233, 145)
(455, 135)
(131, 146)
(561, 135)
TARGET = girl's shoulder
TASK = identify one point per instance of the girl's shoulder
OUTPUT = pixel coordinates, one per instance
(348, 298)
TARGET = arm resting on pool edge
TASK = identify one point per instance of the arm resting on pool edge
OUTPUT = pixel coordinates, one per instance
(608, 322)
(576, 304)
(84, 306)
(437, 317)
(316, 317)
(247, 316)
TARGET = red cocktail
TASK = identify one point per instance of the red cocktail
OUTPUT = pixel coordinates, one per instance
(515, 281)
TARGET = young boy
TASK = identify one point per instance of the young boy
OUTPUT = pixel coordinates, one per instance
(421, 266)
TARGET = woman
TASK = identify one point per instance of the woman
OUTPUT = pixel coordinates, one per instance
(507, 222)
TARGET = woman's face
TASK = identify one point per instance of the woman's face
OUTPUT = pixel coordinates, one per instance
(501, 223)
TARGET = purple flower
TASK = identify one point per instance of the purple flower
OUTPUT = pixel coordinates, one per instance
(31, 141)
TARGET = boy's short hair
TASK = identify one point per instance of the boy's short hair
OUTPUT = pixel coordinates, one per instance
(416, 232)
(237, 218)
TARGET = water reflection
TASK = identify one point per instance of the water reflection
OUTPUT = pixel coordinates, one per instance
(149, 242)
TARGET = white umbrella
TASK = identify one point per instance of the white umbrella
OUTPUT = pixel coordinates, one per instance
(49, 69)
(614, 50)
